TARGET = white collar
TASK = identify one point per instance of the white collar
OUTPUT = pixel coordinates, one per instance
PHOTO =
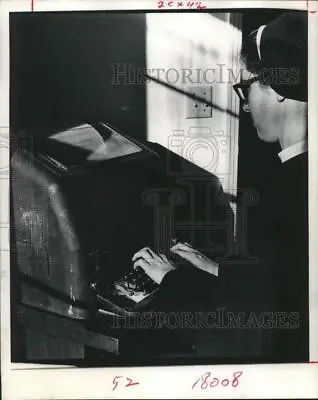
(293, 151)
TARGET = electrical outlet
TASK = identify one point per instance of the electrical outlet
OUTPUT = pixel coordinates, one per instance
(202, 106)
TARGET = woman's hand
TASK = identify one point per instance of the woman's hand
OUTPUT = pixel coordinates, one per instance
(156, 266)
(196, 258)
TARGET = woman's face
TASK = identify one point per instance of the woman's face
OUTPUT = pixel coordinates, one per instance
(264, 109)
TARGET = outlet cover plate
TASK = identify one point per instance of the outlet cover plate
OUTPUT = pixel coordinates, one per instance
(202, 106)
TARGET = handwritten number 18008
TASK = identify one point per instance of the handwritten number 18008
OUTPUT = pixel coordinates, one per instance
(207, 381)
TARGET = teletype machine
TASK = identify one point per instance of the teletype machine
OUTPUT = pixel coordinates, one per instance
(83, 202)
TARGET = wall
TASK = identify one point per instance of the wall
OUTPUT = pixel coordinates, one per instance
(62, 70)
(203, 42)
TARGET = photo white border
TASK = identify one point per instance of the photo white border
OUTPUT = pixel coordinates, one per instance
(29, 381)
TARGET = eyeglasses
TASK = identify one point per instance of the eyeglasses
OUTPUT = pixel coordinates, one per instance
(241, 88)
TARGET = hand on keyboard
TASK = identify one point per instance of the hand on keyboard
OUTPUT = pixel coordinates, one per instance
(156, 266)
(196, 258)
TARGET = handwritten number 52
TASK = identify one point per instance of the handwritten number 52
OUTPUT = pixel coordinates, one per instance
(130, 382)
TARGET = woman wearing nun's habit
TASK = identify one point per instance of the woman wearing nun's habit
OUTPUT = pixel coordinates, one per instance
(274, 91)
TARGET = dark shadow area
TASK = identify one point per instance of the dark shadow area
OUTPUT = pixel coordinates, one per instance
(62, 74)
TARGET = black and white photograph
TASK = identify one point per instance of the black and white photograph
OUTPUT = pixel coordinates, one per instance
(159, 187)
